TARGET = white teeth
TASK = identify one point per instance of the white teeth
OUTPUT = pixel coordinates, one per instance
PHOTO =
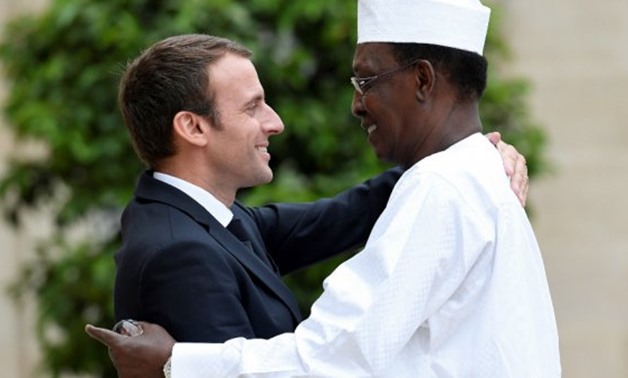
(262, 149)
(371, 128)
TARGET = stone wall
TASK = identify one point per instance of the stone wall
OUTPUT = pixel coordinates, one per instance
(18, 349)
(576, 55)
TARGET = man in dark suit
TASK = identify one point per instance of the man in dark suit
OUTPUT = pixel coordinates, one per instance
(196, 114)
(179, 267)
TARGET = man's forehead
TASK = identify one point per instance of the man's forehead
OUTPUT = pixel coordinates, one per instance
(234, 79)
(372, 55)
(230, 62)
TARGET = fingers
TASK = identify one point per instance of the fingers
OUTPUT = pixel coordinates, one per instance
(515, 166)
(494, 137)
(509, 153)
(519, 181)
(105, 336)
(523, 194)
(153, 329)
(128, 327)
(158, 335)
(511, 158)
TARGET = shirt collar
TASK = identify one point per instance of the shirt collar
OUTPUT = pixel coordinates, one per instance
(204, 198)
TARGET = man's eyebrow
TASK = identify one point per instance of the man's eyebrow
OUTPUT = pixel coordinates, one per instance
(359, 67)
(255, 99)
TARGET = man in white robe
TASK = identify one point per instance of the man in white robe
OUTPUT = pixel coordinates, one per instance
(451, 282)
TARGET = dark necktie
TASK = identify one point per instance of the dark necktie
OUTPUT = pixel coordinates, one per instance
(236, 228)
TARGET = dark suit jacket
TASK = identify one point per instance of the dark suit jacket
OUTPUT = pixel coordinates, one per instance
(180, 268)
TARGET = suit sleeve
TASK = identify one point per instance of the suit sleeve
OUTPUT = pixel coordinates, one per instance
(193, 292)
(298, 235)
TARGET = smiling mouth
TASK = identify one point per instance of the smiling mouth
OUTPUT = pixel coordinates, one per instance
(262, 149)
(371, 128)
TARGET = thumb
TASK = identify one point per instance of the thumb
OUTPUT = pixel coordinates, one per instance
(495, 137)
(105, 336)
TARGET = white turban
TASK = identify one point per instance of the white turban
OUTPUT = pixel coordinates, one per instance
(461, 24)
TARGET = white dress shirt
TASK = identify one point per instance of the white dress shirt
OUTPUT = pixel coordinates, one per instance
(204, 198)
(451, 283)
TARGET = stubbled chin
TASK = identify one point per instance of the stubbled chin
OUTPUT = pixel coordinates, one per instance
(269, 175)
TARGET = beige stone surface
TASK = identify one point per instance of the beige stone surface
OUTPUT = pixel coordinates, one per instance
(19, 354)
(576, 55)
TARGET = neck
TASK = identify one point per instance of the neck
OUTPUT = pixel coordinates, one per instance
(449, 127)
(461, 124)
(195, 174)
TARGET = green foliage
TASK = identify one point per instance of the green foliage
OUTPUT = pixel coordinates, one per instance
(62, 68)
(71, 291)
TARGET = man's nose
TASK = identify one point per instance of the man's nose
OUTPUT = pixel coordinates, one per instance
(357, 105)
(274, 124)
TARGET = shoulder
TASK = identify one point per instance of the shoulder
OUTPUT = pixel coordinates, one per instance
(467, 178)
(153, 228)
(155, 217)
(472, 167)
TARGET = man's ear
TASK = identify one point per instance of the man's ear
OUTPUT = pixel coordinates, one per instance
(191, 127)
(425, 77)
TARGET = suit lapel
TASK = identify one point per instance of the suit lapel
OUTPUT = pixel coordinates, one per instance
(148, 188)
(245, 253)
